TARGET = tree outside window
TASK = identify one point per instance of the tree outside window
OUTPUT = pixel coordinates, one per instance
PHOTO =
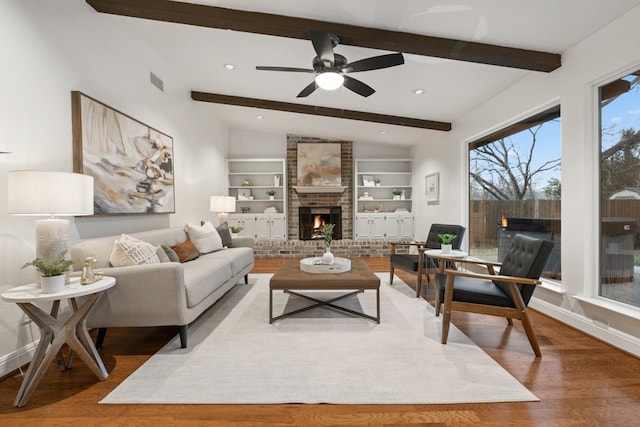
(515, 187)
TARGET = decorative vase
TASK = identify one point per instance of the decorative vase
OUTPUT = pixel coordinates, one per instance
(52, 284)
(446, 249)
(272, 197)
(327, 257)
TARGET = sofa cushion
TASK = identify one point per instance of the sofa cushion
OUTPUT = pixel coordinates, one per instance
(238, 258)
(205, 237)
(128, 250)
(186, 251)
(204, 276)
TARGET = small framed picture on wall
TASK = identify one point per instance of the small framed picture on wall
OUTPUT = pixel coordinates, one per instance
(432, 186)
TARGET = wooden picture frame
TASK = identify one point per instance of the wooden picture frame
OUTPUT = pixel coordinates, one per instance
(432, 187)
(131, 162)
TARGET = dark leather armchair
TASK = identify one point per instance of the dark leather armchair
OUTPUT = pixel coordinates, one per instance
(420, 264)
(506, 294)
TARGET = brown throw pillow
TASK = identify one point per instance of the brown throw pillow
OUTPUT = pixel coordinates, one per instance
(186, 251)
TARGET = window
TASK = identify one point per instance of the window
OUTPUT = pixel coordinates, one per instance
(620, 189)
(514, 187)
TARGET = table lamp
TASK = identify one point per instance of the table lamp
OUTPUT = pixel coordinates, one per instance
(223, 205)
(52, 194)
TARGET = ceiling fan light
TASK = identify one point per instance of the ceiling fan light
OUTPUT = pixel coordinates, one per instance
(329, 80)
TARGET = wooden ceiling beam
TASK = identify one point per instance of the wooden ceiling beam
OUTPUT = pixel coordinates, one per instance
(292, 27)
(319, 111)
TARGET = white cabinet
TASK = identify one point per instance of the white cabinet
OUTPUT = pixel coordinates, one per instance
(260, 226)
(270, 226)
(247, 222)
(399, 226)
(251, 182)
(370, 226)
(384, 188)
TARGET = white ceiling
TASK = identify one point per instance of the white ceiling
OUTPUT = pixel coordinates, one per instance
(452, 88)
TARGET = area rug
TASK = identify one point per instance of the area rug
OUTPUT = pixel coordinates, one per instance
(319, 356)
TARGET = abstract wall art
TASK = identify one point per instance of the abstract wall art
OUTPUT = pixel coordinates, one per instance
(319, 164)
(131, 163)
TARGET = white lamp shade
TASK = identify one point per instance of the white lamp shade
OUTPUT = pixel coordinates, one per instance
(222, 204)
(50, 193)
(329, 80)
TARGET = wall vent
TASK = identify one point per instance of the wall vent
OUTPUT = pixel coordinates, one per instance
(157, 82)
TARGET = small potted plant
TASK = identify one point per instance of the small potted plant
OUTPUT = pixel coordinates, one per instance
(327, 234)
(53, 273)
(446, 240)
(271, 194)
(396, 194)
(377, 182)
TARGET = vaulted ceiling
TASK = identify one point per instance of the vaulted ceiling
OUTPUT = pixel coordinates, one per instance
(459, 53)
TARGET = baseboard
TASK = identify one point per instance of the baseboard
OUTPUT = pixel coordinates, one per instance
(613, 337)
(10, 363)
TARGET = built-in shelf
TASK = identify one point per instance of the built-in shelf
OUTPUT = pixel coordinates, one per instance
(320, 189)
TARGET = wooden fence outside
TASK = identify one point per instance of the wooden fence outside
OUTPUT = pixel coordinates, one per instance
(485, 215)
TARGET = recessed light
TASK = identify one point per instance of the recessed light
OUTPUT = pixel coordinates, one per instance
(418, 91)
(229, 67)
(259, 117)
(383, 132)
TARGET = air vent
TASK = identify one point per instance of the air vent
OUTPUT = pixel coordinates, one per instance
(157, 82)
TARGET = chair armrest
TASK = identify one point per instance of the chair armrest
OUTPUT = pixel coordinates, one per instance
(419, 245)
(493, 277)
(394, 244)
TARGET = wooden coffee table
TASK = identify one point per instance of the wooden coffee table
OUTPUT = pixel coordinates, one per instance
(357, 280)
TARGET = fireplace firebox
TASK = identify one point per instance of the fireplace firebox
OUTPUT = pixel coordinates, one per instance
(311, 218)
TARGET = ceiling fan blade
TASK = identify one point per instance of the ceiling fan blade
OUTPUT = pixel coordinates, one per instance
(357, 86)
(322, 44)
(374, 63)
(308, 90)
(295, 70)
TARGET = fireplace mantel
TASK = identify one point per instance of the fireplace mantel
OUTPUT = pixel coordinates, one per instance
(319, 189)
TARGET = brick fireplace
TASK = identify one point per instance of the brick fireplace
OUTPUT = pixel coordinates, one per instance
(312, 218)
(294, 247)
(319, 200)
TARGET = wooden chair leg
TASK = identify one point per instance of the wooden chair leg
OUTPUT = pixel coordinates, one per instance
(528, 328)
(524, 317)
(391, 270)
(418, 283)
(446, 317)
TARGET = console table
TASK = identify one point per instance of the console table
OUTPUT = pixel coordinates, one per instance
(54, 333)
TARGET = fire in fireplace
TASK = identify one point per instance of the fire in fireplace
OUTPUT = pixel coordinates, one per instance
(312, 218)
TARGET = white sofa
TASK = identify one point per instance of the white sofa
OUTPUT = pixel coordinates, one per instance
(165, 294)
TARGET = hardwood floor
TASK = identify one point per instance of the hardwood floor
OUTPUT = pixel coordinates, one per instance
(580, 382)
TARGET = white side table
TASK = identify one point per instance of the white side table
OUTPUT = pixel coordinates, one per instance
(54, 333)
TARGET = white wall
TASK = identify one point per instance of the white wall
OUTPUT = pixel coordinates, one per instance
(603, 56)
(50, 48)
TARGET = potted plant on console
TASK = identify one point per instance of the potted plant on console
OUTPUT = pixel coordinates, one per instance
(271, 194)
(446, 240)
(53, 273)
(327, 234)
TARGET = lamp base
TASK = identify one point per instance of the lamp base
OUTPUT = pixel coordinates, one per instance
(223, 217)
(52, 239)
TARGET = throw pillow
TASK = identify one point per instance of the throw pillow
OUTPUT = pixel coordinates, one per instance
(205, 237)
(131, 251)
(162, 255)
(225, 234)
(186, 251)
(173, 256)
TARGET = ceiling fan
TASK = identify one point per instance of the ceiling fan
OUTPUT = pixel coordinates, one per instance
(331, 68)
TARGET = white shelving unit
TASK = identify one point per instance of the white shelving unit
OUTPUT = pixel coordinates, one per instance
(249, 181)
(379, 213)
